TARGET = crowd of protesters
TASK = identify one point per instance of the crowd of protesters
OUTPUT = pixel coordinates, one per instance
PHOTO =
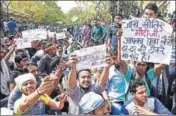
(44, 79)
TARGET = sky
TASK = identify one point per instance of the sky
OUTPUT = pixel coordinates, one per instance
(66, 5)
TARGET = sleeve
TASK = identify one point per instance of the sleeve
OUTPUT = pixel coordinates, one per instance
(151, 74)
(71, 92)
(104, 30)
(45, 98)
(128, 73)
(109, 32)
(160, 108)
(124, 111)
(98, 89)
(17, 110)
(13, 75)
(42, 65)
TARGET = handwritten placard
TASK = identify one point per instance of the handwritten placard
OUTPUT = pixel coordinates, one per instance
(23, 43)
(91, 57)
(35, 34)
(147, 40)
(60, 35)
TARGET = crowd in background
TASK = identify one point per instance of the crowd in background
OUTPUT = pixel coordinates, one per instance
(44, 79)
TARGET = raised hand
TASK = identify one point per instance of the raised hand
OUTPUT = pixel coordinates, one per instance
(47, 84)
(109, 61)
(72, 61)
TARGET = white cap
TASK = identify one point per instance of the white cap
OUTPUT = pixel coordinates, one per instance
(90, 102)
(23, 78)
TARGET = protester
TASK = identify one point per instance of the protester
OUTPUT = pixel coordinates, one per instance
(21, 61)
(84, 84)
(112, 32)
(92, 104)
(12, 26)
(98, 32)
(141, 104)
(45, 61)
(33, 100)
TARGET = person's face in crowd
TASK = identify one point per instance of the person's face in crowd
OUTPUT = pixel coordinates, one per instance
(148, 13)
(28, 87)
(2, 54)
(141, 67)
(117, 19)
(23, 62)
(140, 96)
(84, 79)
(34, 70)
(88, 22)
(53, 51)
(115, 60)
(96, 22)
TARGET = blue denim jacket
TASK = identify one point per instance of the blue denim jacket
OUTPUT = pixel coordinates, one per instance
(14, 95)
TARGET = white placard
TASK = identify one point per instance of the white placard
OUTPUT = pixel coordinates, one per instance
(60, 35)
(23, 43)
(91, 57)
(147, 40)
(34, 34)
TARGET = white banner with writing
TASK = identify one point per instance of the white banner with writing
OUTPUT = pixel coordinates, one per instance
(23, 43)
(147, 40)
(91, 57)
(35, 34)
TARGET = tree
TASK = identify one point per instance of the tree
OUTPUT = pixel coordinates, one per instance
(7, 4)
(41, 11)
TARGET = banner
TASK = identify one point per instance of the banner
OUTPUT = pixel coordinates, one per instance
(147, 40)
(23, 43)
(91, 57)
(35, 34)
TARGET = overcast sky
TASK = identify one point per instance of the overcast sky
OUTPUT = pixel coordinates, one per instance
(66, 5)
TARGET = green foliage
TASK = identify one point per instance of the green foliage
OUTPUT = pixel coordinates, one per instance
(41, 11)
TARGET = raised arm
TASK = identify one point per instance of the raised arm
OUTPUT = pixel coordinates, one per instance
(72, 74)
(122, 63)
(158, 68)
(8, 55)
(31, 99)
(105, 73)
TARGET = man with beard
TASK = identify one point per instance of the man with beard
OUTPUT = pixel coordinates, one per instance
(141, 104)
(45, 62)
(76, 89)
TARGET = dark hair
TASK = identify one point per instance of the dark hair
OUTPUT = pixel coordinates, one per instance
(19, 50)
(82, 70)
(20, 57)
(134, 84)
(26, 68)
(152, 6)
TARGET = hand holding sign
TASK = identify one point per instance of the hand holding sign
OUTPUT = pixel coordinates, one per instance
(109, 61)
(72, 61)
